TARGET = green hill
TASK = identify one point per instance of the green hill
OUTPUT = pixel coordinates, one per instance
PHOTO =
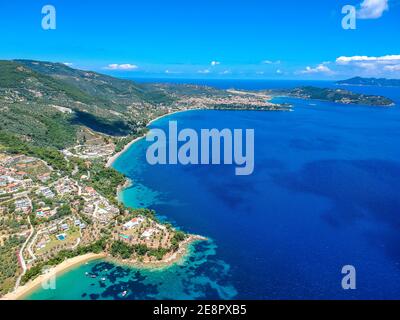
(340, 96)
(113, 92)
(43, 103)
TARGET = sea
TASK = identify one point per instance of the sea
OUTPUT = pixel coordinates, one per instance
(324, 195)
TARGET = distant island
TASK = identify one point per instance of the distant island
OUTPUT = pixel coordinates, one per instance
(335, 95)
(381, 82)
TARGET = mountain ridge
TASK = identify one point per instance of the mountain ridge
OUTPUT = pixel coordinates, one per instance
(44, 102)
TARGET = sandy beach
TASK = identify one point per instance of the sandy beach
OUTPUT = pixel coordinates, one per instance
(112, 159)
(31, 286)
(26, 289)
(168, 114)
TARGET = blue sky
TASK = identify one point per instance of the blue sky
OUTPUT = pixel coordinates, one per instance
(284, 39)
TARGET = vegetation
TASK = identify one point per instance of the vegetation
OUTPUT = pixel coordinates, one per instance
(41, 126)
(96, 247)
(44, 108)
(340, 96)
(43, 102)
(141, 249)
(158, 253)
(121, 250)
(358, 81)
(122, 142)
(107, 90)
(64, 210)
(16, 76)
(9, 267)
(106, 181)
(52, 156)
(178, 237)
(114, 127)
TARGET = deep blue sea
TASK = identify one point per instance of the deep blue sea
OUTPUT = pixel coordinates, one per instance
(324, 194)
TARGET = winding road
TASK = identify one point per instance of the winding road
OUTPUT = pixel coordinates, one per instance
(21, 255)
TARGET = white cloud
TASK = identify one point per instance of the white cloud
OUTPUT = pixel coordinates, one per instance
(370, 65)
(321, 68)
(362, 65)
(367, 65)
(271, 62)
(172, 72)
(68, 64)
(279, 71)
(358, 59)
(226, 72)
(204, 71)
(215, 63)
(123, 67)
(372, 9)
(392, 68)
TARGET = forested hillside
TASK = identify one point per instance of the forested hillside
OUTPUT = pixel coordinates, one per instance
(43, 103)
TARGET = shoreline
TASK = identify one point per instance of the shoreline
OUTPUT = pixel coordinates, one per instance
(168, 114)
(65, 266)
(58, 270)
(114, 157)
(176, 257)
(171, 260)
(128, 183)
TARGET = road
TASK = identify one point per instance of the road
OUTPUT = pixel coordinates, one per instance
(21, 255)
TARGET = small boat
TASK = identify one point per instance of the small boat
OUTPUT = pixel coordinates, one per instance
(124, 293)
(103, 279)
(86, 273)
(93, 276)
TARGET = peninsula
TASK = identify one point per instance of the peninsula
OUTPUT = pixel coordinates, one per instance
(335, 95)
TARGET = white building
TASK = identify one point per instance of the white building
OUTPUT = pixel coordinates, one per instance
(133, 223)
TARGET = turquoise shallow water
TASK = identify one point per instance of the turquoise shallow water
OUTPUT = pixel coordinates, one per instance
(324, 194)
(198, 273)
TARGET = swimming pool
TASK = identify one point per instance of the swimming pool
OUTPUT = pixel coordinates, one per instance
(61, 237)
